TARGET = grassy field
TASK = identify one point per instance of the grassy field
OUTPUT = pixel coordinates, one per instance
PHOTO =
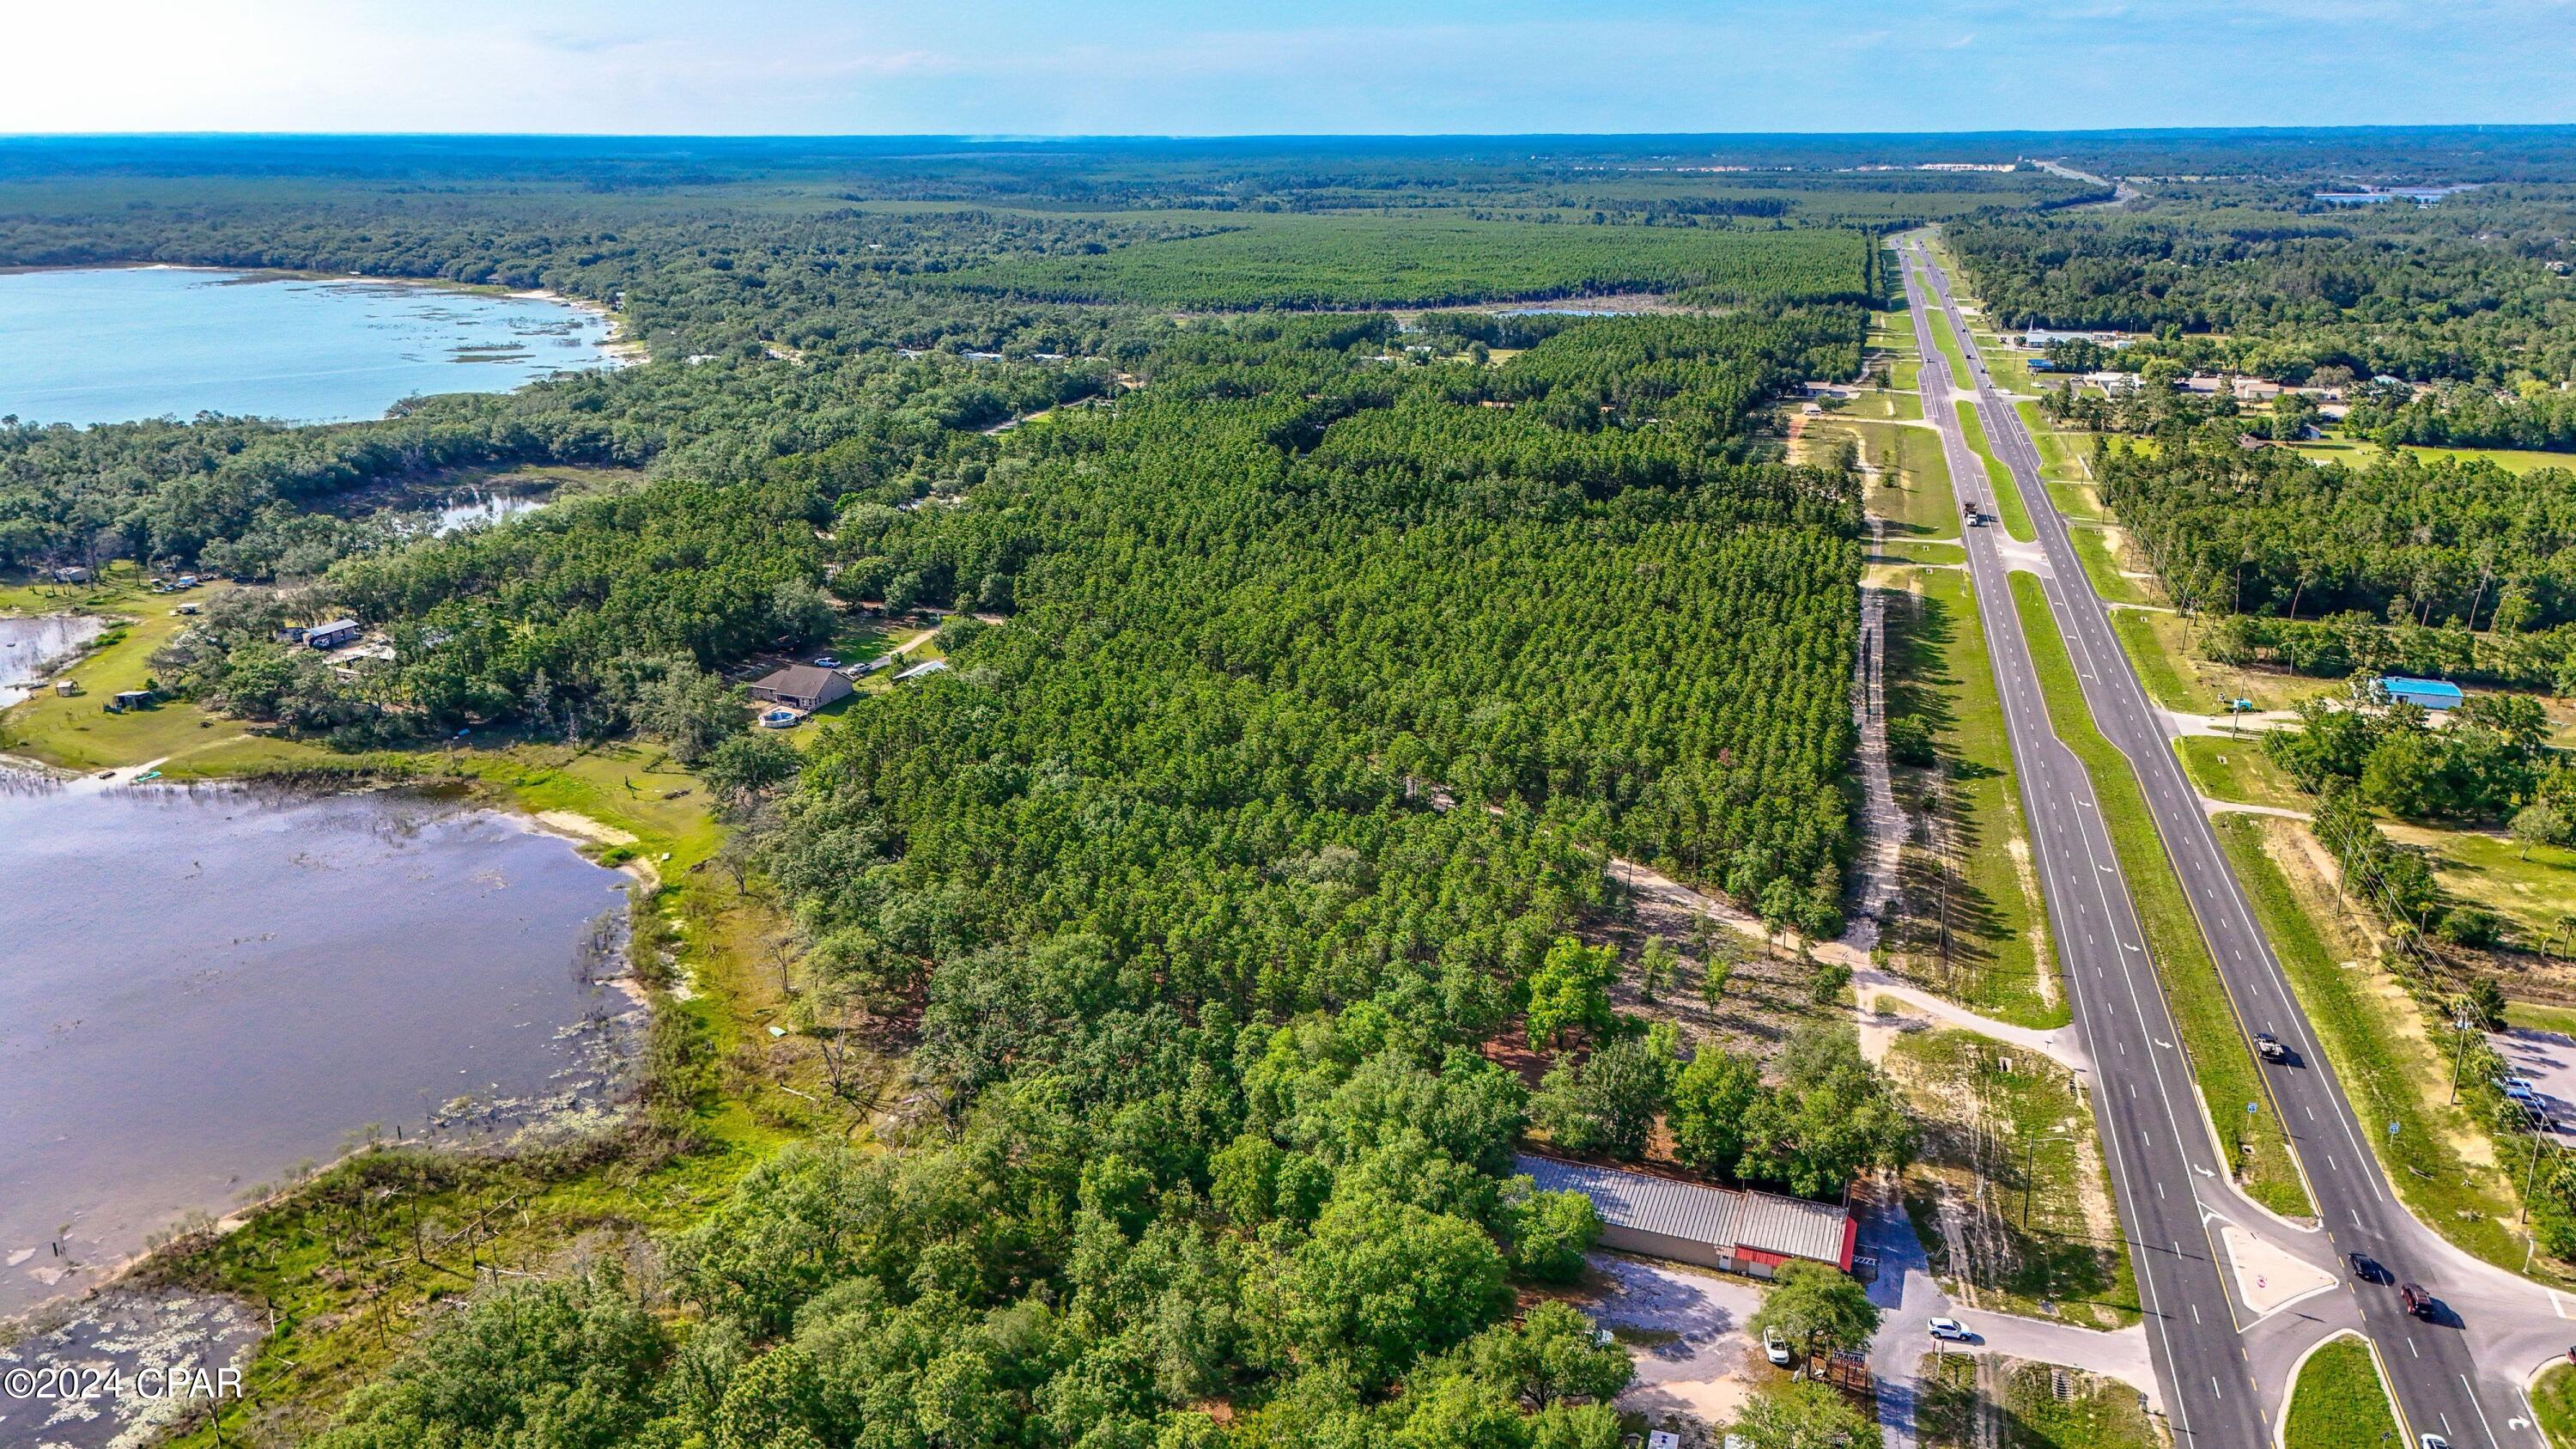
(2375, 1035)
(2530, 889)
(2178, 678)
(2061, 455)
(2553, 1399)
(2006, 1143)
(2339, 1401)
(1912, 490)
(2102, 565)
(78, 733)
(2239, 771)
(1999, 942)
(2355, 453)
(1999, 481)
(1921, 551)
(2222, 1058)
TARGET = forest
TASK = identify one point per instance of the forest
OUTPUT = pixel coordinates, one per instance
(2475, 290)
(1306, 668)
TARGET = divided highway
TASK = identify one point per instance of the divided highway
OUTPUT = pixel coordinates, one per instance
(2154, 1136)
(2438, 1384)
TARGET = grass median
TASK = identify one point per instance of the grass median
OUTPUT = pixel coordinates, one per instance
(2339, 1401)
(2222, 1058)
(1999, 479)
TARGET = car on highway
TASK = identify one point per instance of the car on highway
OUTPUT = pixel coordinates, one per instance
(2415, 1300)
(2432, 1441)
(2364, 1267)
(1775, 1348)
(2270, 1048)
(1951, 1329)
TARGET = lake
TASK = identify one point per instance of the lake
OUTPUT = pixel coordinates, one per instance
(202, 987)
(114, 344)
(32, 644)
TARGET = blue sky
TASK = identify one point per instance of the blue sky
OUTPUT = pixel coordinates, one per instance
(1228, 67)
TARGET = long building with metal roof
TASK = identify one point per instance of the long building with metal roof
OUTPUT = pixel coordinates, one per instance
(1735, 1229)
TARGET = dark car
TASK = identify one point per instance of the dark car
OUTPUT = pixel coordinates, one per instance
(2416, 1300)
(2363, 1267)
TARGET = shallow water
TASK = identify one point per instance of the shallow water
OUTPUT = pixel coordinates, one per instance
(477, 507)
(98, 345)
(31, 644)
(202, 987)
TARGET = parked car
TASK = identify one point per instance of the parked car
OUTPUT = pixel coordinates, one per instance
(826, 661)
(2517, 1088)
(2270, 1047)
(1775, 1348)
(1951, 1329)
(2415, 1299)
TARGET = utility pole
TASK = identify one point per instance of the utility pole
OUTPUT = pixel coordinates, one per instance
(2460, 1026)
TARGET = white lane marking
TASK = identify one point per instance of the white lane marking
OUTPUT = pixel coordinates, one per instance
(2471, 1390)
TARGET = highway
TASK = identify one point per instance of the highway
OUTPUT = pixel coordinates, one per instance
(2437, 1380)
(2154, 1136)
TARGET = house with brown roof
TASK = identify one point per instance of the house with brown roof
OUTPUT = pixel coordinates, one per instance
(807, 687)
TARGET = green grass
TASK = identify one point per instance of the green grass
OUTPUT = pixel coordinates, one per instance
(1921, 551)
(2103, 1414)
(2178, 678)
(2539, 1016)
(2390, 1069)
(2355, 453)
(2222, 1057)
(1912, 490)
(2000, 945)
(2238, 770)
(2059, 459)
(2553, 1399)
(1999, 481)
(2531, 890)
(2079, 502)
(2339, 1401)
(77, 733)
(2102, 566)
(2038, 1124)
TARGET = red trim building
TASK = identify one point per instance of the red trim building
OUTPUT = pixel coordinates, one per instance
(1735, 1229)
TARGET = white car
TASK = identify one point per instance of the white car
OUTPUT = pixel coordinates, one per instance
(2434, 1441)
(1950, 1328)
(1775, 1348)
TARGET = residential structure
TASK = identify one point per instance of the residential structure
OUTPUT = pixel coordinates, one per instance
(333, 634)
(802, 686)
(1734, 1229)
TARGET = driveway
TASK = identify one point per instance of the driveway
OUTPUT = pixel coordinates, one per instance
(2548, 1058)
(1708, 1364)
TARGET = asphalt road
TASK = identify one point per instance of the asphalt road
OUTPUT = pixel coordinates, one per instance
(2155, 1139)
(2438, 1383)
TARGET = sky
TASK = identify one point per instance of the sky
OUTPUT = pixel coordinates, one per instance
(1226, 67)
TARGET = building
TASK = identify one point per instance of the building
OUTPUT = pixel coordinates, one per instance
(1716, 1227)
(932, 666)
(333, 634)
(802, 686)
(2429, 693)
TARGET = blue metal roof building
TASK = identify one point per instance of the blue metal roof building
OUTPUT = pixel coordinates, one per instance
(2430, 693)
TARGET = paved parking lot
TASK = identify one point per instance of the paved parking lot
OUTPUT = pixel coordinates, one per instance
(2548, 1058)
